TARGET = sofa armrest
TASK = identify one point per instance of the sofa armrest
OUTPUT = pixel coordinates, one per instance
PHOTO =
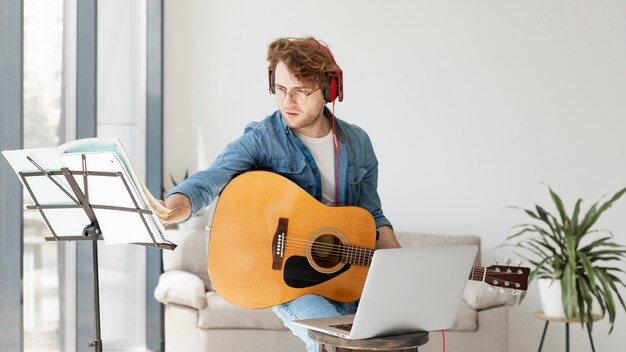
(477, 296)
(181, 287)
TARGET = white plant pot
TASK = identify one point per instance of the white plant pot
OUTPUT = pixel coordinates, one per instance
(550, 295)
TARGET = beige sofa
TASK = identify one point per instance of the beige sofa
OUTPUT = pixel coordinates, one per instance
(198, 319)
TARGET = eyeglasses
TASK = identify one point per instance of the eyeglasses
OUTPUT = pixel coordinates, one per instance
(297, 95)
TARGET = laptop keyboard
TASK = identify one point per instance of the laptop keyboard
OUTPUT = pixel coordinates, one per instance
(344, 327)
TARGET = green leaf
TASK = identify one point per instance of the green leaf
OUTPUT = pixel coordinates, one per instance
(528, 229)
(617, 252)
(544, 216)
(594, 216)
(594, 244)
(570, 245)
(569, 293)
(559, 206)
(575, 214)
(585, 301)
(590, 271)
(608, 296)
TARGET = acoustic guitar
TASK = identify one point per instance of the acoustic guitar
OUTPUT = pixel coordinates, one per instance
(272, 242)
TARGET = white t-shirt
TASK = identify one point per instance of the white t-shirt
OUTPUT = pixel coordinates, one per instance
(324, 155)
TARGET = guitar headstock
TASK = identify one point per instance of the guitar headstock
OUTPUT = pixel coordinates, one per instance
(514, 278)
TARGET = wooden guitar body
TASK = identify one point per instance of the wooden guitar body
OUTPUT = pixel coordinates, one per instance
(272, 242)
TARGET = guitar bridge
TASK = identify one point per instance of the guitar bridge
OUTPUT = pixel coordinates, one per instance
(278, 244)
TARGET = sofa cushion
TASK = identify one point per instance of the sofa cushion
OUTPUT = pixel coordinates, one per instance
(180, 287)
(466, 318)
(190, 254)
(411, 239)
(220, 314)
(477, 296)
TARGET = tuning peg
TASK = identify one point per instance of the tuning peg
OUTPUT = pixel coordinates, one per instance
(497, 260)
(508, 261)
(518, 262)
(491, 289)
(514, 292)
(502, 290)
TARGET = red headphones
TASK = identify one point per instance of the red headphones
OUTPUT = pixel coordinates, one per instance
(333, 90)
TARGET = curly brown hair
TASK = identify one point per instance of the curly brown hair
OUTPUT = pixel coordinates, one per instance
(306, 58)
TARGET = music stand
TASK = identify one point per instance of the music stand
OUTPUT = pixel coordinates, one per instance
(92, 230)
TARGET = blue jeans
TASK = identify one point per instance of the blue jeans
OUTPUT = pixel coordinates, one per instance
(311, 306)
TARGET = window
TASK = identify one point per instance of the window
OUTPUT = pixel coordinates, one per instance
(46, 92)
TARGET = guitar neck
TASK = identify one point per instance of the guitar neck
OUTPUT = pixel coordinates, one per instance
(500, 276)
(357, 255)
(478, 273)
(504, 276)
(363, 257)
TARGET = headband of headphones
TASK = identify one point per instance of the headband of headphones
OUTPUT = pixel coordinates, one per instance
(334, 89)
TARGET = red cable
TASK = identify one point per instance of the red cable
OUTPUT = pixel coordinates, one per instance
(336, 156)
(443, 340)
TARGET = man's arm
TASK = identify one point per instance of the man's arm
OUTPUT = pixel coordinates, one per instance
(387, 238)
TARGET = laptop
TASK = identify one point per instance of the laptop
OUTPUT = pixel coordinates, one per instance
(406, 290)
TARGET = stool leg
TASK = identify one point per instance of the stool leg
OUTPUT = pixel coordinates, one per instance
(566, 337)
(545, 327)
(593, 349)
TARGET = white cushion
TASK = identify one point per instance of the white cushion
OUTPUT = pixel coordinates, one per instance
(477, 296)
(220, 314)
(180, 287)
(466, 318)
(411, 239)
(190, 254)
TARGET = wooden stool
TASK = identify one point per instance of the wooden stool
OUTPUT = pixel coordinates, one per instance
(576, 319)
(406, 342)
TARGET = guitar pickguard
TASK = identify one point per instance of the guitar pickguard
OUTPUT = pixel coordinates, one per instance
(299, 273)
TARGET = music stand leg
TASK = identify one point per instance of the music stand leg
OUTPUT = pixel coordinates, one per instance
(93, 231)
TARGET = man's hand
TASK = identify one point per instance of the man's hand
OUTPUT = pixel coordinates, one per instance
(180, 205)
(387, 238)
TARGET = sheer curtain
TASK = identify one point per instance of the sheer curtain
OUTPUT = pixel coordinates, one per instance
(122, 114)
(48, 93)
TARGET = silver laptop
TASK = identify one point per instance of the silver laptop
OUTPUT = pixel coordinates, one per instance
(406, 290)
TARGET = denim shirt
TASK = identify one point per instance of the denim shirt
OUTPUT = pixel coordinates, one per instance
(271, 145)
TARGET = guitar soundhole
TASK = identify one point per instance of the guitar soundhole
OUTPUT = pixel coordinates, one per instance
(326, 251)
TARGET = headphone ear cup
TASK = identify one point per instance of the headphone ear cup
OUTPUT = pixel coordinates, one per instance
(331, 91)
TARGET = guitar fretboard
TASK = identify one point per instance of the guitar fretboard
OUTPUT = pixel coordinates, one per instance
(357, 255)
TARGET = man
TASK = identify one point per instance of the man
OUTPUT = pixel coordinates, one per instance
(332, 160)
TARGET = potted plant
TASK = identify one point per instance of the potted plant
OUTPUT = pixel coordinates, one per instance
(567, 250)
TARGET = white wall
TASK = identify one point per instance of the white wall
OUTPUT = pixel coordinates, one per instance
(471, 105)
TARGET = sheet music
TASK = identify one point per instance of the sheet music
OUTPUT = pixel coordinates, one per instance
(117, 226)
(102, 155)
(64, 222)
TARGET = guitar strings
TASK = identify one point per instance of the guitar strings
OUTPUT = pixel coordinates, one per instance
(359, 251)
(361, 254)
(358, 257)
(335, 252)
